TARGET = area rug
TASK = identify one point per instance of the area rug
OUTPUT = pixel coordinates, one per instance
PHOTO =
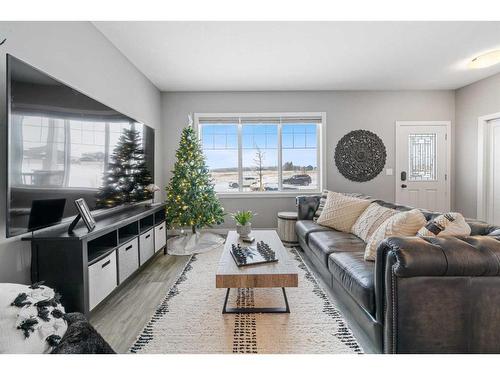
(190, 319)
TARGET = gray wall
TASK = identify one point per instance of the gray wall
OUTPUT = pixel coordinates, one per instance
(346, 110)
(79, 55)
(478, 99)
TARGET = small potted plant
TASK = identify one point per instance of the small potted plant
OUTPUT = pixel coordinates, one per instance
(243, 222)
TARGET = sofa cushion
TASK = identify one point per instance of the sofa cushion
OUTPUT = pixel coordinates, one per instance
(394, 206)
(304, 228)
(480, 228)
(356, 276)
(341, 212)
(322, 244)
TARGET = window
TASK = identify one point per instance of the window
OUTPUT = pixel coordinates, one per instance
(251, 153)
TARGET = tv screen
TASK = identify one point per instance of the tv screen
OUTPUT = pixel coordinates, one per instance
(66, 145)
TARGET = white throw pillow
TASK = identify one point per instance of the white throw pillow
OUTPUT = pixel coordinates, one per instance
(369, 221)
(406, 223)
(450, 224)
(341, 211)
(47, 321)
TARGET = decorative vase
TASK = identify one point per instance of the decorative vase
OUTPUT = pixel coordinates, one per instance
(244, 230)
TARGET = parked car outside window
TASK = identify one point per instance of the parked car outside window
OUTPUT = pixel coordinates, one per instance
(298, 179)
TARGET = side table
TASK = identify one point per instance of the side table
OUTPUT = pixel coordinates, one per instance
(286, 227)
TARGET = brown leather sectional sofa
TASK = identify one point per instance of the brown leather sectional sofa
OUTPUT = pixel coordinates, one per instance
(432, 295)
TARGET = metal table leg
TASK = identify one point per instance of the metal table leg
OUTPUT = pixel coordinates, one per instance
(256, 310)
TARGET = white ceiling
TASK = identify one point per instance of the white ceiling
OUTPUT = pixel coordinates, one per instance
(255, 56)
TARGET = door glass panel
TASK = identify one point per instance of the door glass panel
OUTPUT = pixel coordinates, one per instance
(422, 157)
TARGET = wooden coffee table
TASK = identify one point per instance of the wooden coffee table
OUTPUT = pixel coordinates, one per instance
(281, 274)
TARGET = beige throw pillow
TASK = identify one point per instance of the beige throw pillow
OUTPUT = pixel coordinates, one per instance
(450, 224)
(324, 195)
(369, 221)
(406, 223)
(341, 211)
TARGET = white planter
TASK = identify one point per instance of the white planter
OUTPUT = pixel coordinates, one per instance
(244, 230)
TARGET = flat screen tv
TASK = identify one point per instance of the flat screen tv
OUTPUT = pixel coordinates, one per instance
(63, 144)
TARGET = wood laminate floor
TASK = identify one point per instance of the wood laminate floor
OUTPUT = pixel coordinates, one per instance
(124, 314)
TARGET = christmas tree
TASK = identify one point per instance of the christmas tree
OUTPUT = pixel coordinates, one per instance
(191, 198)
(127, 175)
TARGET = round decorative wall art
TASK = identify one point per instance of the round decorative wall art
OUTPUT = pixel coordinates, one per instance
(360, 155)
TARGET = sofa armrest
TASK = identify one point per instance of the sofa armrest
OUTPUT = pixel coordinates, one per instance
(307, 206)
(443, 256)
(439, 294)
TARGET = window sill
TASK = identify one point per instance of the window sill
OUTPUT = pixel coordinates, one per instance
(280, 194)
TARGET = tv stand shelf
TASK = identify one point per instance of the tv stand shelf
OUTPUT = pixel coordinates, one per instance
(86, 266)
(99, 253)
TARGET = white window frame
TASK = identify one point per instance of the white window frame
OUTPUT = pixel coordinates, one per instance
(321, 151)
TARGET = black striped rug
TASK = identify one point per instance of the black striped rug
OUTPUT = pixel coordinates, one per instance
(189, 320)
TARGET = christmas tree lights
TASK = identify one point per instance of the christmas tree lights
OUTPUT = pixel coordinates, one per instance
(191, 198)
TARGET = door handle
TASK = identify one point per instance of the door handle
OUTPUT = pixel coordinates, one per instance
(404, 186)
(403, 176)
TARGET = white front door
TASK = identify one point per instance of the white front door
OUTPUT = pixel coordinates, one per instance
(493, 199)
(422, 162)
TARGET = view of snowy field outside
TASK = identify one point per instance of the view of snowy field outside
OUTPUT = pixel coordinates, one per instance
(223, 180)
(260, 149)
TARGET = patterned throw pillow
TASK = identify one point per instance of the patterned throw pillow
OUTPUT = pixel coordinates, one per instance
(31, 319)
(322, 202)
(406, 223)
(370, 220)
(450, 224)
(341, 211)
(324, 195)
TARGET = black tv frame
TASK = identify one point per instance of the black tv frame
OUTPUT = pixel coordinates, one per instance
(66, 220)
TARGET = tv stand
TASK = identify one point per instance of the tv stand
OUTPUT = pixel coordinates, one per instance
(85, 267)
